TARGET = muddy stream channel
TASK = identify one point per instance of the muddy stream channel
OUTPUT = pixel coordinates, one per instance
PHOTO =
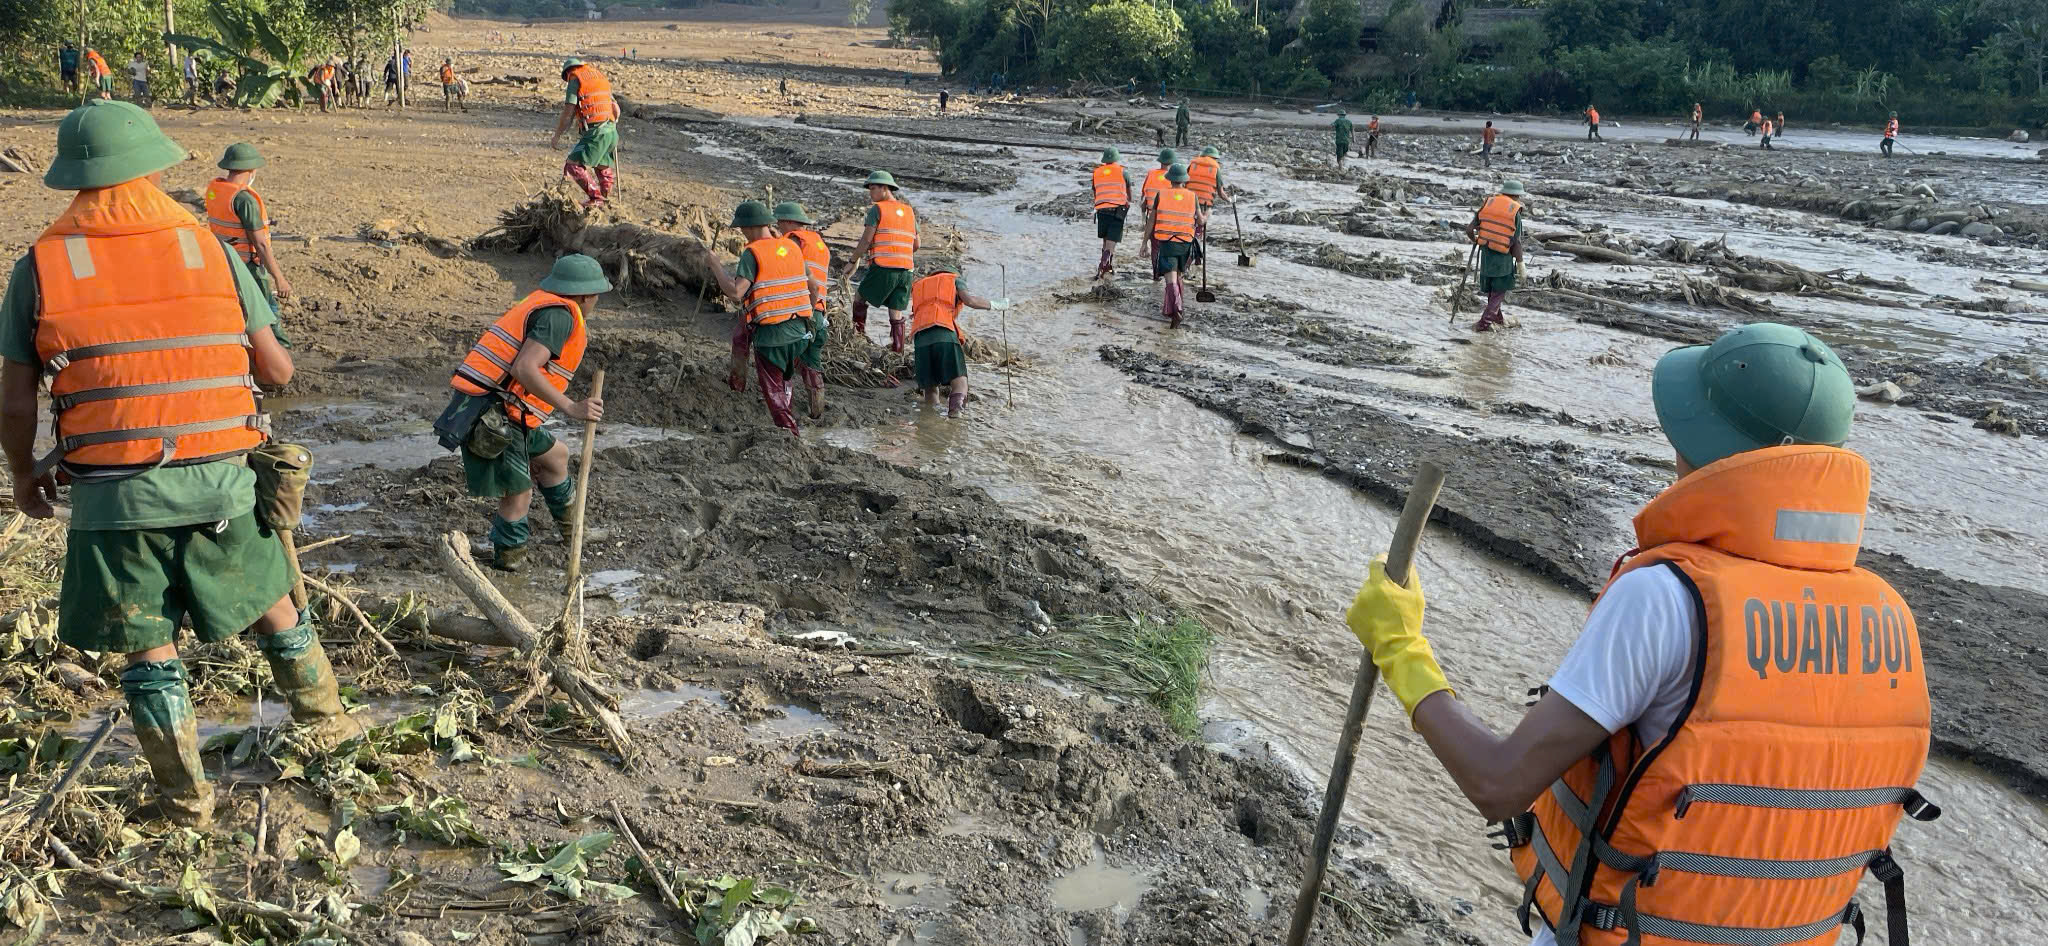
(1249, 535)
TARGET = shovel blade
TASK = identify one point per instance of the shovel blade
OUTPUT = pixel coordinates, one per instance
(1205, 296)
(1243, 260)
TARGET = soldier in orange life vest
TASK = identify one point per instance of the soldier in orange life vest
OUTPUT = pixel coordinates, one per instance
(1170, 218)
(590, 103)
(941, 362)
(777, 298)
(1497, 229)
(1205, 178)
(452, 91)
(102, 74)
(1891, 131)
(1372, 137)
(237, 214)
(1736, 733)
(323, 81)
(1768, 128)
(1592, 123)
(792, 222)
(1697, 114)
(513, 378)
(1155, 181)
(889, 245)
(1111, 187)
(153, 337)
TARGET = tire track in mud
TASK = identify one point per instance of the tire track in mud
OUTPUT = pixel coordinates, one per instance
(1562, 511)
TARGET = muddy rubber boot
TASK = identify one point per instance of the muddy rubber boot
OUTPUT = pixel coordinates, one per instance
(160, 704)
(815, 396)
(860, 315)
(508, 543)
(955, 403)
(559, 498)
(301, 671)
(898, 329)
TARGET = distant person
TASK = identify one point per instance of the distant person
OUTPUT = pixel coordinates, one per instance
(782, 88)
(138, 79)
(1170, 216)
(1497, 228)
(590, 103)
(1592, 124)
(238, 216)
(792, 222)
(943, 96)
(1341, 131)
(939, 359)
(888, 244)
(1756, 120)
(1413, 100)
(1765, 129)
(191, 79)
(1779, 125)
(1697, 114)
(102, 74)
(1891, 132)
(67, 67)
(223, 87)
(345, 83)
(1486, 137)
(1111, 185)
(1372, 137)
(1154, 182)
(452, 90)
(1180, 124)
(405, 71)
(1205, 179)
(323, 82)
(390, 80)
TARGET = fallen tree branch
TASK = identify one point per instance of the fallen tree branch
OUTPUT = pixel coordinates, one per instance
(1601, 300)
(1587, 251)
(519, 633)
(362, 619)
(653, 868)
(48, 806)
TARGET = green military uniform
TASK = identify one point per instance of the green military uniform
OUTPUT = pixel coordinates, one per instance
(1180, 125)
(598, 148)
(885, 286)
(250, 213)
(789, 341)
(1342, 128)
(939, 357)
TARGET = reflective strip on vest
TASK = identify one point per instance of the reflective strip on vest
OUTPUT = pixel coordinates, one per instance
(1612, 918)
(935, 303)
(895, 236)
(1111, 189)
(226, 224)
(1202, 176)
(1803, 799)
(1497, 223)
(1155, 183)
(595, 103)
(67, 401)
(817, 262)
(487, 368)
(78, 252)
(1173, 218)
(782, 285)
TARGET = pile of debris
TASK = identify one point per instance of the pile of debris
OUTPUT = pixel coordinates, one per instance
(637, 258)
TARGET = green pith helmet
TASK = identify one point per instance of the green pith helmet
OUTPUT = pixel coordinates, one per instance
(752, 213)
(1761, 385)
(791, 210)
(1110, 156)
(883, 178)
(1513, 188)
(576, 275)
(1341, 113)
(1211, 152)
(103, 143)
(1167, 157)
(241, 156)
(945, 265)
(568, 64)
(1178, 174)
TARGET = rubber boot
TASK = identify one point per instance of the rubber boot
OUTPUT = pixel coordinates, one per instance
(606, 179)
(899, 330)
(508, 543)
(1108, 260)
(299, 668)
(559, 498)
(860, 315)
(581, 175)
(955, 403)
(160, 704)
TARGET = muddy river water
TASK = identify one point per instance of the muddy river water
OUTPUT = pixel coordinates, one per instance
(1268, 554)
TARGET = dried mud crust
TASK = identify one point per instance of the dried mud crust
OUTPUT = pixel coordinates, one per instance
(1563, 510)
(811, 533)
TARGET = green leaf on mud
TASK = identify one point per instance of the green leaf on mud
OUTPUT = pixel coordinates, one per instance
(739, 894)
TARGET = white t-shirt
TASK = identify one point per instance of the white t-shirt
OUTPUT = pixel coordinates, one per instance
(138, 70)
(1632, 665)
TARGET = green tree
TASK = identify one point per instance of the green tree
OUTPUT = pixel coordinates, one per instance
(1330, 33)
(1121, 38)
(1226, 49)
(1575, 23)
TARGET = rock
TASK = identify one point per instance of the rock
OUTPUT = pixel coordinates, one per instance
(1884, 391)
(1950, 216)
(2019, 137)
(1919, 225)
(1943, 229)
(1922, 190)
(1895, 222)
(1994, 420)
(1981, 231)
(410, 939)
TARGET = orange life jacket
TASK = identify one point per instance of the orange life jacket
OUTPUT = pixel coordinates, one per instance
(1497, 223)
(1111, 188)
(1173, 215)
(1203, 174)
(781, 289)
(1768, 127)
(1695, 111)
(447, 74)
(1752, 820)
(488, 365)
(895, 236)
(1155, 181)
(1373, 126)
(595, 103)
(817, 261)
(99, 64)
(226, 224)
(142, 335)
(1756, 117)
(1593, 115)
(935, 303)
(1891, 128)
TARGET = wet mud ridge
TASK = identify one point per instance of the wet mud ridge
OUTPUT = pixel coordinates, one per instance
(1562, 510)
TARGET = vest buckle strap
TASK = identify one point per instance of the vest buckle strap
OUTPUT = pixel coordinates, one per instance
(1608, 917)
(1919, 808)
(1514, 832)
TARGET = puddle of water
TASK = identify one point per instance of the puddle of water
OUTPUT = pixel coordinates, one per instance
(647, 704)
(371, 880)
(902, 890)
(963, 825)
(795, 723)
(1098, 886)
(1257, 903)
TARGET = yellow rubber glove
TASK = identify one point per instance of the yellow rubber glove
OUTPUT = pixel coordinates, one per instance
(1388, 620)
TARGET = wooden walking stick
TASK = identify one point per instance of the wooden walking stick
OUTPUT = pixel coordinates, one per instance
(1009, 354)
(582, 492)
(1458, 298)
(1429, 478)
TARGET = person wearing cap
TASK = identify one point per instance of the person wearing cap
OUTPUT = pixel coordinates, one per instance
(519, 370)
(1745, 711)
(771, 283)
(452, 90)
(154, 336)
(1891, 132)
(792, 222)
(1111, 186)
(67, 66)
(1497, 229)
(889, 244)
(1170, 217)
(1155, 181)
(1205, 178)
(1341, 130)
(936, 301)
(1180, 124)
(236, 214)
(590, 102)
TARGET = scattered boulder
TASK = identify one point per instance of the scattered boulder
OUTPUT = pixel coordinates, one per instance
(2019, 137)
(1919, 225)
(1944, 228)
(1957, 217)
(1981, 231)
(1884, 391)
(1997, 422)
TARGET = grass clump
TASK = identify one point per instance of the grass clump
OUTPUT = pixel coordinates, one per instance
(1160, 662)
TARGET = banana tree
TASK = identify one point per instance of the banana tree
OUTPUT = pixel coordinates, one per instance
(243, 33)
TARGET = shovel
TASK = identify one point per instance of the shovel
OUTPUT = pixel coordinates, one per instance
(1429, 478)
(1243, 258)
(1204, 295)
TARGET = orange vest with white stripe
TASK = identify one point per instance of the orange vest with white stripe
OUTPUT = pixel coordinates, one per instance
(935, 303)
(1782, 781)
(1203, 174)
(1891, 128)
(1173, 216)
(594, 100)
(895, 236)
(1111, 188)
(817, 261)
(226, 224)
(1155, 181)
(142, 335)
(782, 287)
(488, 366)
(1497, 223)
